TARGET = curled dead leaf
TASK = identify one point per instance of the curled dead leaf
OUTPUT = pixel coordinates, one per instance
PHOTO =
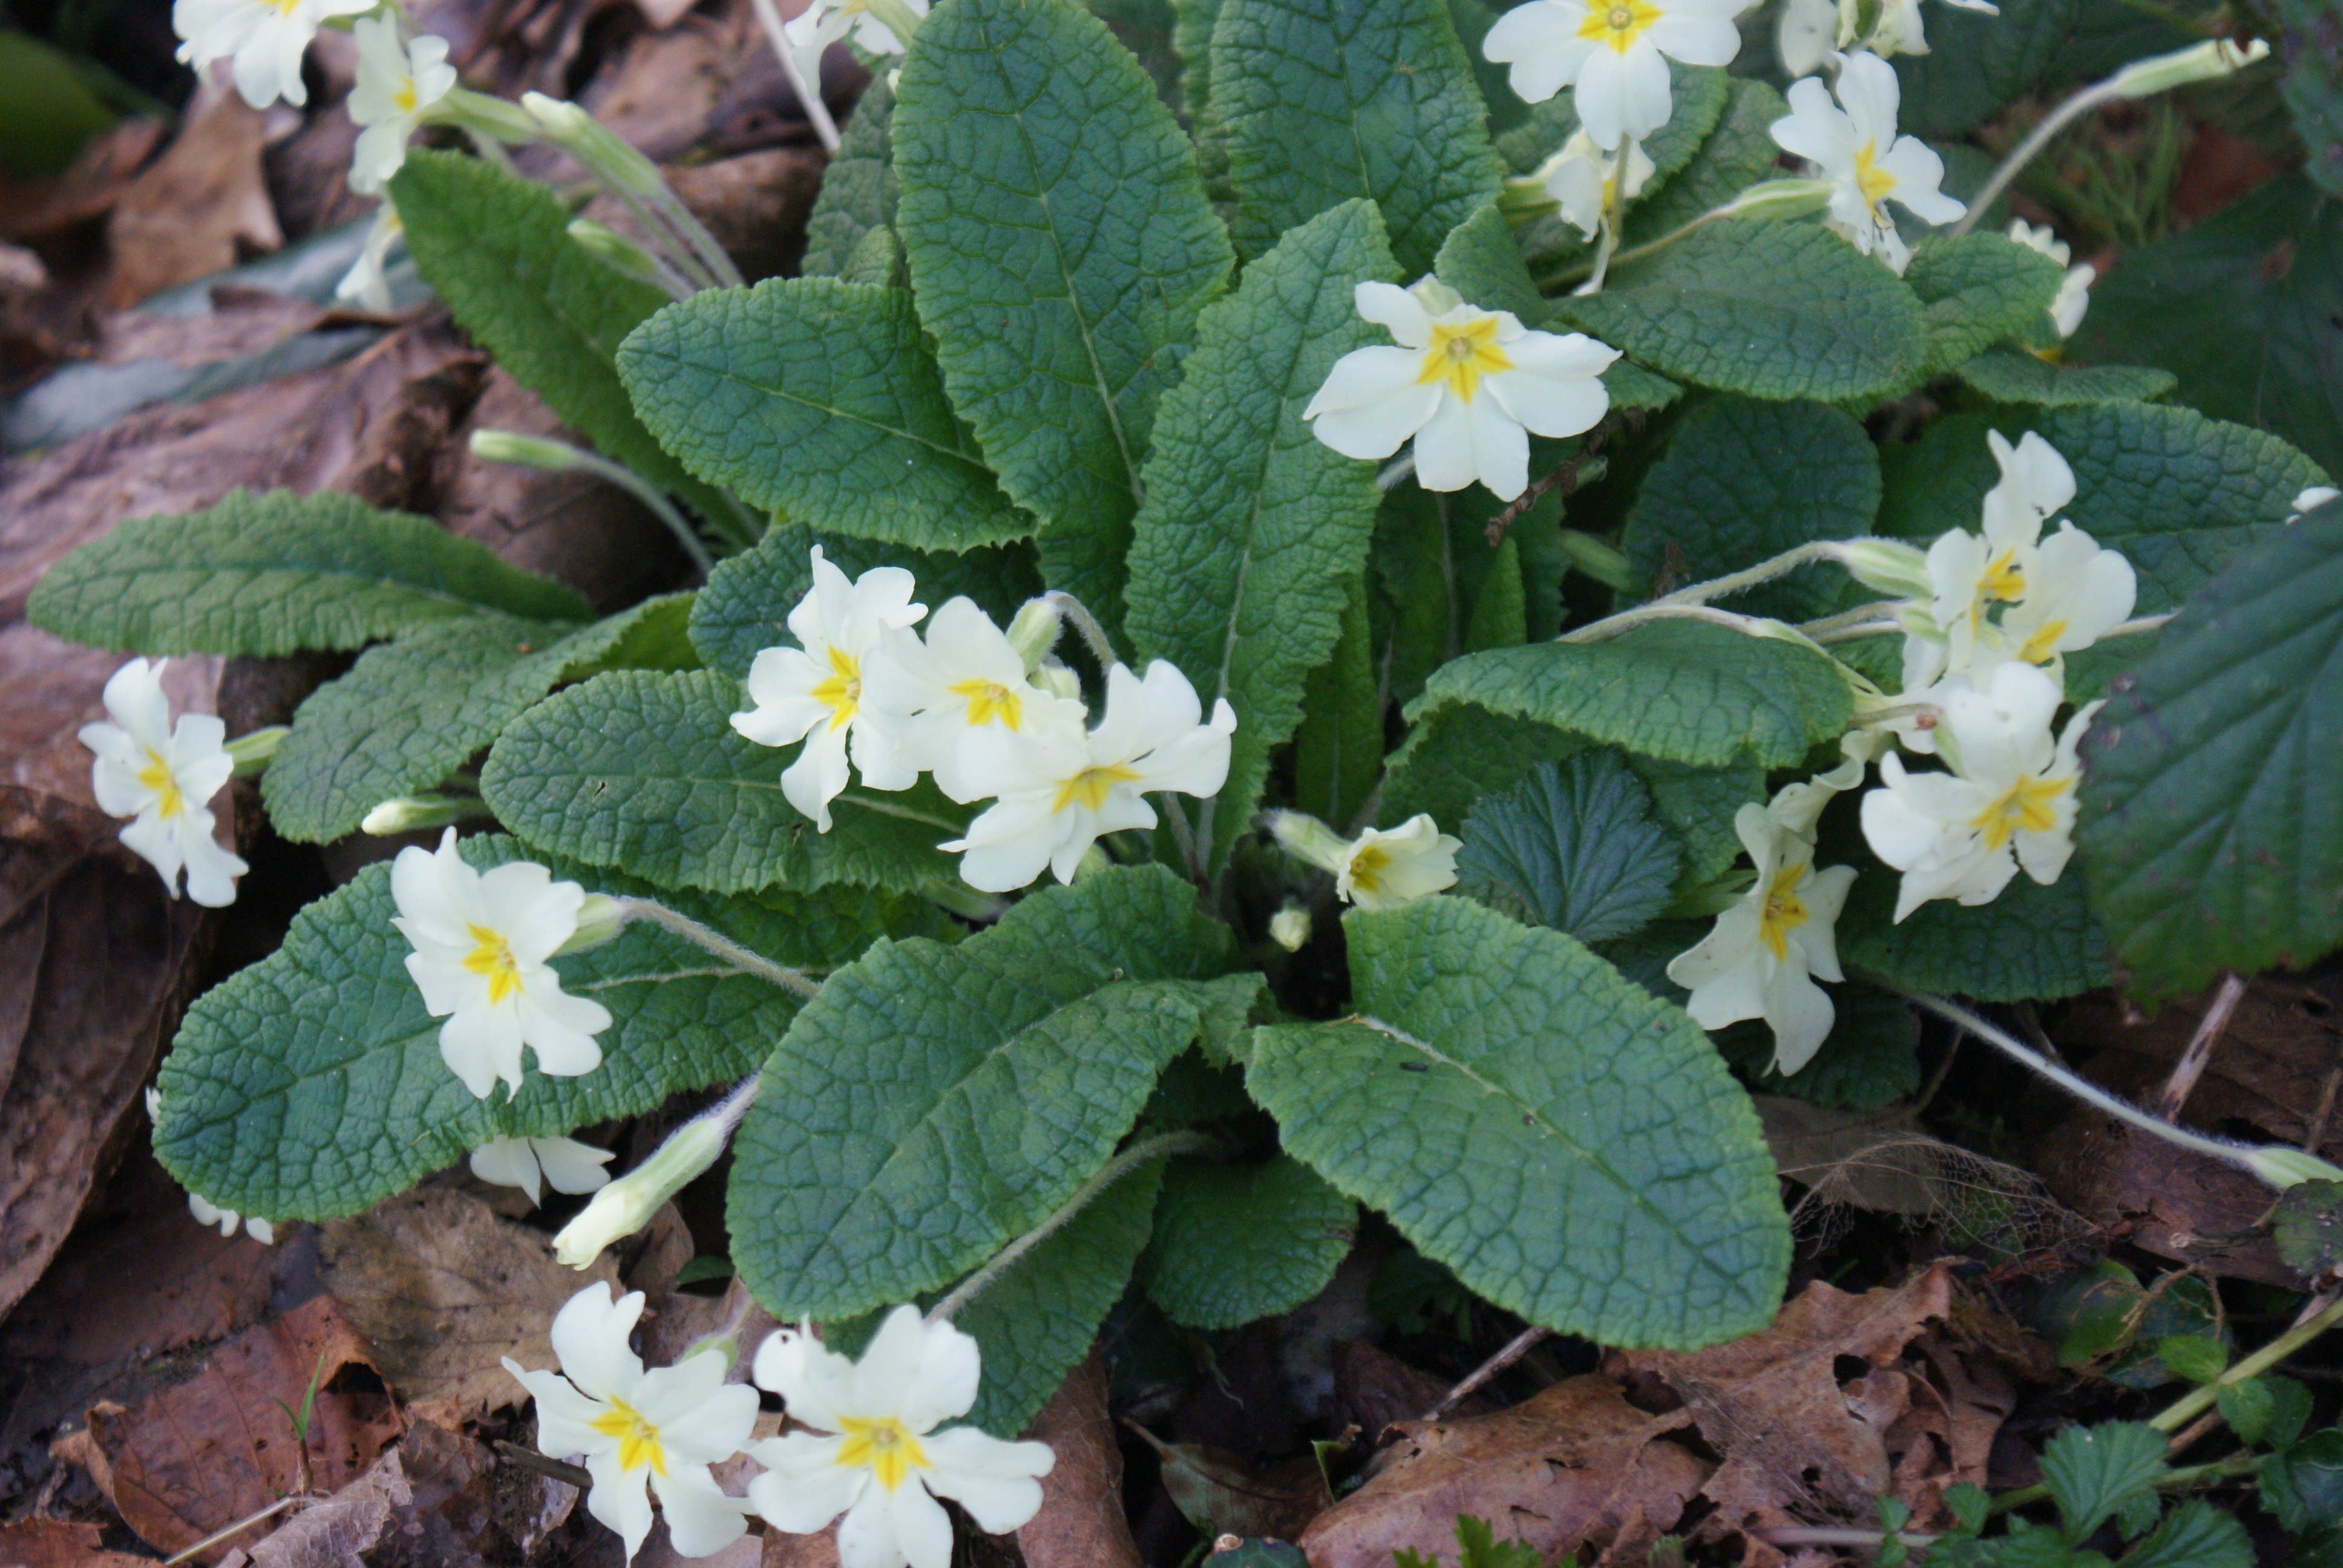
(1080, 1524)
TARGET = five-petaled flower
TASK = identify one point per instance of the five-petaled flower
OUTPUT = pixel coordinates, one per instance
(266, 39)
(481, 945)
(1384, 870)
(533, 1163)
(395, 82)
(664, 1426)
(1469, 385)
(1613, 54)
(814, 692)
(162, 777)
(1854, 145)
(929, 695)
(874, 1454)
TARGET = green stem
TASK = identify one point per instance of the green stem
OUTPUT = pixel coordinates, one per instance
(2181, 1410)
(716, 942)
(2056, 120)
(2179, 1480)
(1628, 620)
(1765, 571)
(1093, 635)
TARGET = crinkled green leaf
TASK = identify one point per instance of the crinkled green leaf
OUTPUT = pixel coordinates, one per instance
(644, 772)
(1572, 846)
(1237, 1242)
(1870, 1060)
(1499, 612)
(2091, 1470)
(1327, 100)
(497, 248)
(1771, 309)
(2031, 943)
(2212, 811)
(2194, 1534)
(1742, 481)
(1254, 528)
(2303, 1486)
(1060, 247)
(1976, 290)
(1480, 261)
(1686, 690)
(1977, 64)
(1339, 747)
(270, 574)
(311, 1083)
(2014, 376)
(1740, 152)
(877, 260)
(745, 607)
(820, 399)
(1571, 1147)
(858, 187)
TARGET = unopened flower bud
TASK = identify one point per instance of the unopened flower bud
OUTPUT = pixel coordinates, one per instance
(627, 1205)
(615, 251)
(252, 752)
(1308, 839)
(1889, 566)
(600, 918)
(498, 119)
(1289, 927)
(524, 451)
(588, 140)
(2283, 1166)
(1034, 632)
(1783, 199)
(413, 813)
(1523, 199)
(1058, 681)
(2202, 62)
(1436, 297)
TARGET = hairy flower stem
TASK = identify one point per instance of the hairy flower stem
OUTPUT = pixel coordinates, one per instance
(716, 942)
(1114, 1170)
(1765, 571)
(1093, 635)
(2203, 1397)
(769, 17)
(1628, 620)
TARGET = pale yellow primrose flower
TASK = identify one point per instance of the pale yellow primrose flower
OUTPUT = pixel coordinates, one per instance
(1613, 56)
(481, 945)
(163, 776)
(1854, 145)
(364, 284)
(1381, 870)
(532, 1163)
(1582, 179)
(664, 1426)
(2074, 297)
(266, 39)
(1468, 385)
(395, 82)
(875, 1455)
(813, 692)
(930, 693)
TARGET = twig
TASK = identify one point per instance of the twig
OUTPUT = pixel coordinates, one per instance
(1514, 1348)
(2317, 1131)
(1833, 1536)
(530, 1459)
(1565, 473)
(246, 1522)
(2187, 1437)
(2191, 1065)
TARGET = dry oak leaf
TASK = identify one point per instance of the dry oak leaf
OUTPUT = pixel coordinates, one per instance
(1574, 1466)
(1081, 1523)
(58, 1544)
(186, 213)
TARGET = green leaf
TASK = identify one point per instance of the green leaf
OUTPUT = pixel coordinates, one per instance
(2031, 943)
(2308, 1227)
(311, 1083)
(1325, 101)
(1686, 690)
(1771, 309)
(1742, 481)
(1571, 847)
(877, 259)
(1236, 1242)
(2014, 376)
(1870, 1060)
(497, 248)
(820, 399)
(934, 1102)
(2199, 1358)
(1738, 153)
(1060, 247)
(2090, 1469)
(644, 772)
(1145, 27)
(1480, 261)
(2304, 1485)
(745, 607)
(1339, 747)
(1252, 527)
(1977, 64)
(2194, 1534)
(2211, 818)
(1976, 290)
(858, 187)
(1571, 1148)
(267, 574)
(2246, 1407)
(2312, 47)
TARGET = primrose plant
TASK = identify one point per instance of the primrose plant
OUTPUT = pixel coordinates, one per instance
(1302, 612)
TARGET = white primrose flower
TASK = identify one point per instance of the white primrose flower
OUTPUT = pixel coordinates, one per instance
(163, 776)
(814, 692)
(1058, 790)
(207, 1212)
(266, 39)
(875, 1455)
(1582, 176)
(395, 82)
(1809, 31)
(664, 1426)
(1762, 958)
(1854, 145)
(529, 1163)
(825, 22)
(1613, 54)
(481, 942)
(2074, 296)
(1796, 808)
(1969, 573)
(2076, 594)
(1469, 385)
(1381, 870)
(964, 676)
(364, 284)
(2008, 802)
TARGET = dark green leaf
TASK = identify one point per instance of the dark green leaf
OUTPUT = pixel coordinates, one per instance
(2309, 1226)
(1236, 1242)
(2090, 1469)
(2032, 942)
(1976, 290)
(858, 187)
(2014, 376)
(2304, 1485)
(1975, 64)
(1573, 847)
(1339, 747)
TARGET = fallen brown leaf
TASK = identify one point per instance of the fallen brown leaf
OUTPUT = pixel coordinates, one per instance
(1866, 1158)
(1080, 1524)
(1373, 1389)
(57, 1544)
(783, 1550)
(184, 216)
(107, 164)
(331, 1533)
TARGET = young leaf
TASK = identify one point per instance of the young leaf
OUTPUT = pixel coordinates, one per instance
(2091, 1470)
(311, 1083)
(858, 187)
(1681, 689)
(1571, 847)
(2304, 1485)
(2194, 1534)
(270, 574)
(1252, 527)
(1236, 1242)
(1325, 101)
(1340, 744)
(1060, 247)
(2014, 376)
(2032, 942)
(819, 399)
(1480, 261)
(2212, 817)
(1771, 309)
(1571, 1147)
(644, 772)
(497, 248)
(1976, 290)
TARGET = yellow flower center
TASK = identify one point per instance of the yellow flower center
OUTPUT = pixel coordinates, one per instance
(1367, 867)
(492, 957)
(639, 1439)
(1784, 912)
(156, 776)
(884, 1447)
(2026, 804)
(283, 7)
(1090, 786)
(1873, 181)
(988, 700)
(842, 689)
(1461, 355)
(404, 97)
(1619, 26)
(2043, 643)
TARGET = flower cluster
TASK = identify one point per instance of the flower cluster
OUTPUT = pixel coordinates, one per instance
(985, 712)
(1612, 54)
(864, 1442)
